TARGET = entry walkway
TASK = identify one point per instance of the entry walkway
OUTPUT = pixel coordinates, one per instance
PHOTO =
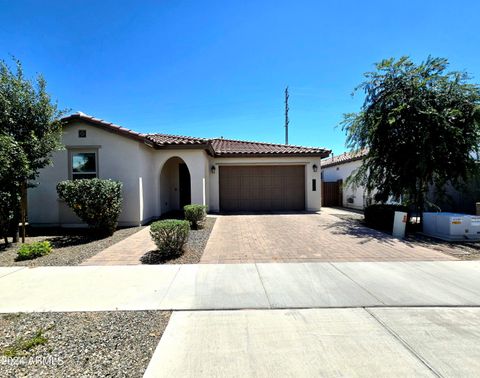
(126, 252)
(240, 286)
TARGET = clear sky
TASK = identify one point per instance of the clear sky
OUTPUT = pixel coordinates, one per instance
(212, 69)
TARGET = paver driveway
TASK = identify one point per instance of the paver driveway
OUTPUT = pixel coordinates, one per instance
(305, 238)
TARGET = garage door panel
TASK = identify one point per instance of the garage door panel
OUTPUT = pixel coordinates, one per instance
(262, 188)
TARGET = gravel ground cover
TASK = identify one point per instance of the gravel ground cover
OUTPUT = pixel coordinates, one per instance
(79, 344)
(70, 247)
(193, 250)
(463, 250)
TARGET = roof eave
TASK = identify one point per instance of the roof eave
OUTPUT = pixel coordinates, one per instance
(104, 126)
(271, 154)
(327, 165)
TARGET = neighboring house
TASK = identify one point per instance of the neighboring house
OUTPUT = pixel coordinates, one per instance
(335, 171)
(162, 173)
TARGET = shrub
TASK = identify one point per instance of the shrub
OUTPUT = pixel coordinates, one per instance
(195, 214)
(97, 202)
(21, 345)
(34, 250)
(380, 216)
(170, 235)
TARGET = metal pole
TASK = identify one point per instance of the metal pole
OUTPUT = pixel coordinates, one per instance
(286, 115)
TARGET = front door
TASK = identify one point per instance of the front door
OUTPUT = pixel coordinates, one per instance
(184, 183)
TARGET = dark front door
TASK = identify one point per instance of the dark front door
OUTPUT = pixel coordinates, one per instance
(184, 183)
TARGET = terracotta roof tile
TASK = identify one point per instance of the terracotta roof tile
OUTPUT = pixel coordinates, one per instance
(166, 139)
(229, 147)
(100, 122)
(216, 146)
(346, 157)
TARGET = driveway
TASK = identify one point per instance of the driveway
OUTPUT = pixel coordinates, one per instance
(320, 237)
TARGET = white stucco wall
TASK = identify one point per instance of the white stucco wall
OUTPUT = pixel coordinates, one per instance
(119, 158)
(197, 163)
(312, 198)
(342, 172)
(139, 167)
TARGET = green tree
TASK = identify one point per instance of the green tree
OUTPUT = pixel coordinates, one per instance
(420, 125)
(30, 118)
(13, 172)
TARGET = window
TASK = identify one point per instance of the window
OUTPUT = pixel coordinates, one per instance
(83, 165)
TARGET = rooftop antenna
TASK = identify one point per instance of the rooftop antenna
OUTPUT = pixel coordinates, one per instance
(286, 115)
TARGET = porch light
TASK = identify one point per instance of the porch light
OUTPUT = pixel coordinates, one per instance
(213, 169)
(314, 167)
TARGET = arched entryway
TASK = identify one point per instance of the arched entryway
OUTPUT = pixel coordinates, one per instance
(175, 185)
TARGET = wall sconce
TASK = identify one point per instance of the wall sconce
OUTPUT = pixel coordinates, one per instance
(213, 169)
(315, 168)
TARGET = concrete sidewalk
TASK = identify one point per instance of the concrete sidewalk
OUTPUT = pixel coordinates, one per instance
(240, 286)
(356, 342)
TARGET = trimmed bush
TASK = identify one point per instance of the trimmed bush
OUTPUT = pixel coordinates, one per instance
(170, 235)
(34, 250)
(195, 214)
(380, 216)
(97, 202)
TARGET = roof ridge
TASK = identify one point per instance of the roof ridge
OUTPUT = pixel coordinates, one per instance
(267, 143)
(344, 157)
(177, 136)
(82, 115)
(226, 148)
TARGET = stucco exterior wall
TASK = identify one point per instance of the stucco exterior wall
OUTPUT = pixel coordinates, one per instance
(44, 206)
(342, 172)
(197, 163)
(139, 167)
(312, 198)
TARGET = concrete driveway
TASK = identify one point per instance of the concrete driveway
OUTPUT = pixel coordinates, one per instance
(320, 237)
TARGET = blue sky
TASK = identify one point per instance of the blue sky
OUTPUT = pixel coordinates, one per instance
(211, 69)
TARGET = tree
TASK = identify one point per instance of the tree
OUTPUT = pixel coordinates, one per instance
(420, 125)
(31, 119)
(13, 172)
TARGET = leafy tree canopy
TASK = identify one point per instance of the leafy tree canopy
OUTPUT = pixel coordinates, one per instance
(420, 124)
(30, 129)
(28, 115)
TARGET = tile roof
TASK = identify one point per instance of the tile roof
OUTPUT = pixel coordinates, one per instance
(79, 116)
(346, 157)
(166, 139)
(229, 147)
(215, 146)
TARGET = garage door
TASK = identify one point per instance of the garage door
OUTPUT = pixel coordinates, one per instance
(262, 188)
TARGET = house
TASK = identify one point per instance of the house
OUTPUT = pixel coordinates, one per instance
(162, 173)
(335, 171)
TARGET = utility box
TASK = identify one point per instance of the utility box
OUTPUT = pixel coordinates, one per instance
(399, 224)
(452, 226)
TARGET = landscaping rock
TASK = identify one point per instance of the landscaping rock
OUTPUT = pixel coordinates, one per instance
(193, 250)
(82, 344)
(71, 248)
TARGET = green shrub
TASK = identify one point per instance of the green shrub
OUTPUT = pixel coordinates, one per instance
(97, 202)
(195, 214)
(21, 346)
(170, 235)
(380, 216)
(34, 250)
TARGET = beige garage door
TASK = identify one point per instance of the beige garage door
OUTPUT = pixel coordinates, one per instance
(262, 188)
